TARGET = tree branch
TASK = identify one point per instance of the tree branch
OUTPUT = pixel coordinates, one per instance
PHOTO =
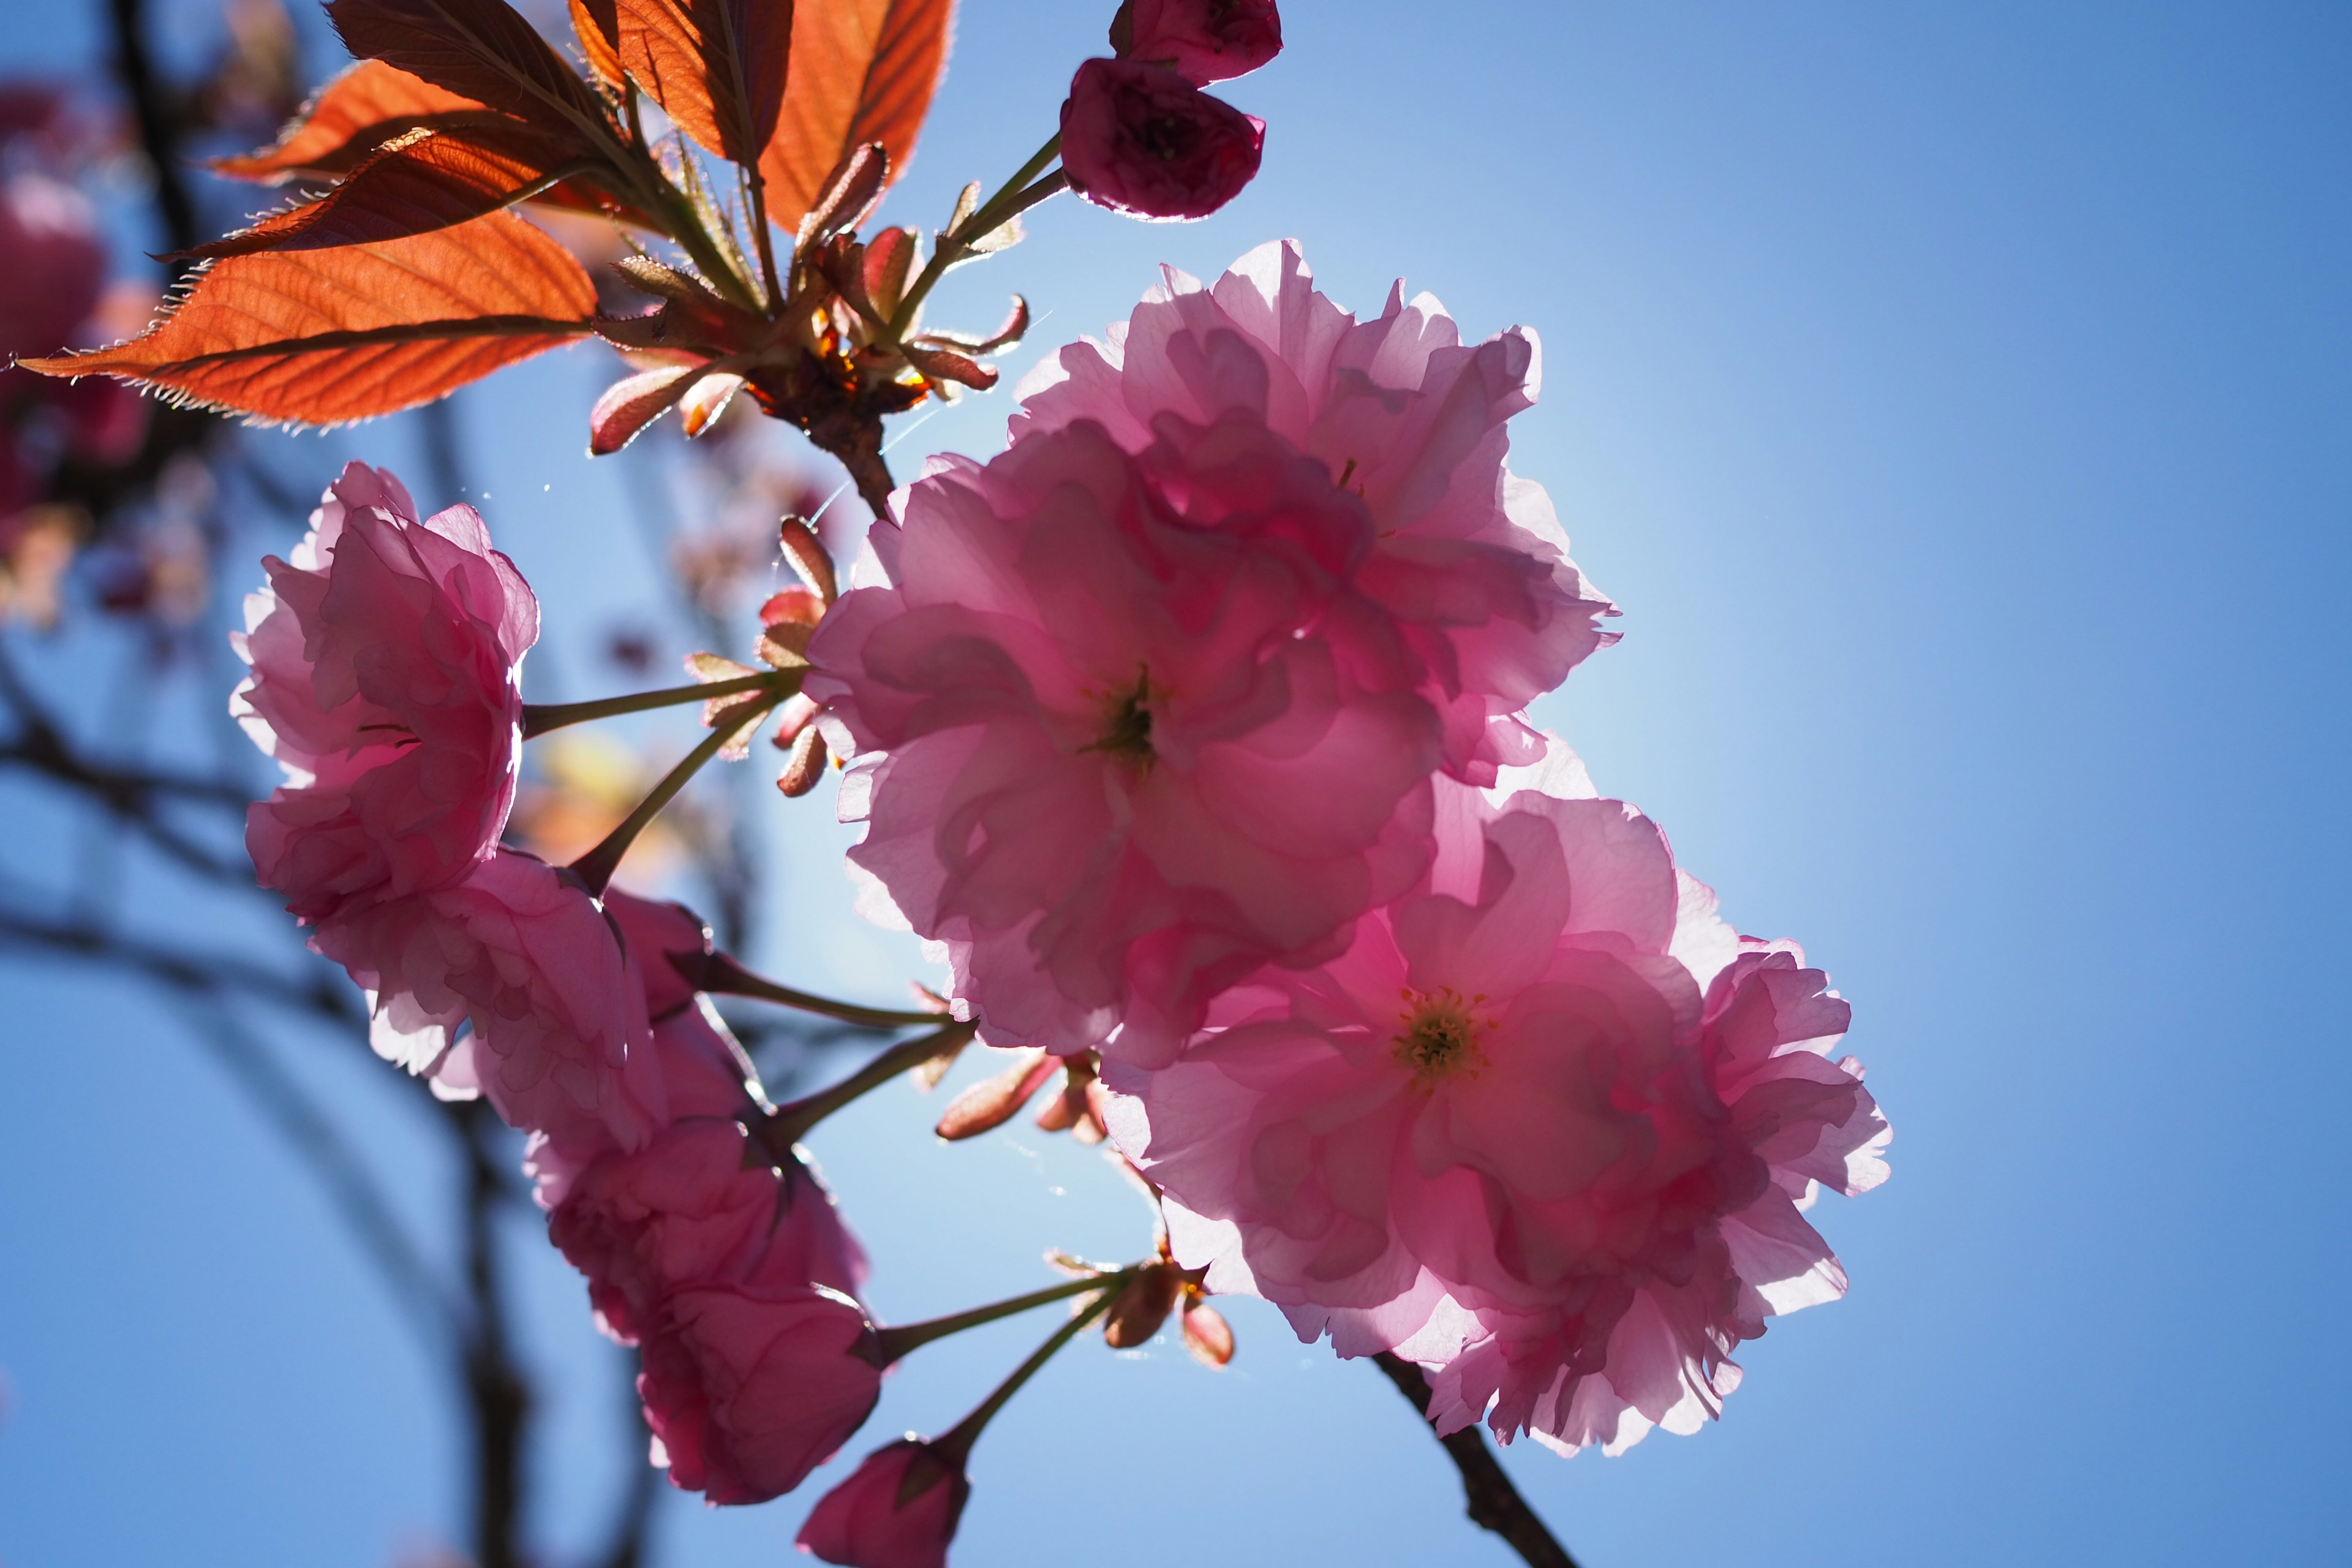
(158, 127)
(1493, 1503)
(498, 1396)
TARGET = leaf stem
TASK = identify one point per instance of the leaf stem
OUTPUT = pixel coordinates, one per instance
(906, 1338)
(953, 245)
(538, 718)
(595, 868)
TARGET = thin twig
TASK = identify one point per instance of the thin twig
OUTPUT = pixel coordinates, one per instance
(1493, 1503)
(498, 1396)
(158, 129)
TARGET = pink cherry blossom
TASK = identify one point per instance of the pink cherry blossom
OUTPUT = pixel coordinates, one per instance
(1141, 140)
(749, 1388)
(520, 951)
(1509, 1135)
(1401, 412)
(384, 681)
(1200, 41)
(702, 1204)
(898, 1510)
(1136, 734)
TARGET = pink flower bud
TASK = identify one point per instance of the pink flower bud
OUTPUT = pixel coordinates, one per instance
(1141, 140)
(1200, 41)
(898, 1509)
(747, 1390)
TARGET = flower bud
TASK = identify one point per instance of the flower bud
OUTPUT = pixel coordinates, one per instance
(1200, 41)
(989, 1105)
(898, 1509)
(1141, 140)
(1142, 1304)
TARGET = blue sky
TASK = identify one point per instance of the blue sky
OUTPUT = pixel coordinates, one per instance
(1956, 401)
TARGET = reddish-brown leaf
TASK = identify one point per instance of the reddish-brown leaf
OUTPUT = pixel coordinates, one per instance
(321, 337)
(348, 118)
(597, 26)
(716, 66)
(862, 70)
(482, 48)
(415, 183)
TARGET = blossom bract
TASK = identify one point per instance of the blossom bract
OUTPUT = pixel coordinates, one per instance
(384, 681)
(748, 1389)
(1402, 414)
(898, 1510)
(1200, 41)
(1141, 140)
(1513, 1134)
(522, 955)
(1125, 731)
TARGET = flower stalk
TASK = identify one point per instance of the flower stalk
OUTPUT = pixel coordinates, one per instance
(895, 1343)
(540, 718)
(792, 1122)
(955, 1444)
(595, 869)
(722, 975)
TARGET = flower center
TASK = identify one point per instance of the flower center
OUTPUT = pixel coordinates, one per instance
(1440, 1037)
(1126, 730)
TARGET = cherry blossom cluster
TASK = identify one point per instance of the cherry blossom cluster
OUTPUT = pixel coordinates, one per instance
(1192, 734)
(1191, 730)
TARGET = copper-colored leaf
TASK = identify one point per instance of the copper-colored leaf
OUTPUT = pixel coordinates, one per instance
(597, 25)
(415, 183)
(889, 256)
(482, 48)
(716, 66)
(994, 1103)
(321, 337)
(862, 70)
(348, 118)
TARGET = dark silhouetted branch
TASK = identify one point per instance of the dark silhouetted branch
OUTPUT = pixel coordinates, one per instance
(1493, 1503)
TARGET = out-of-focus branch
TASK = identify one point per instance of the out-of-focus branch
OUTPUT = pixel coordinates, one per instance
(202, 972)
(496, 1394)
(157, 127)
(626, 1547)
(1493, 1503)
(131, 796)
(412, 1282)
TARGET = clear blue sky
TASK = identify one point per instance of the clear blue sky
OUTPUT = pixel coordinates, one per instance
(1957, 401)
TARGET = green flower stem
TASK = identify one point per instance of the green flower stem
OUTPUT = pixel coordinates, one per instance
(789, 1123)
(952, 247)
(722, 975)
(538, 718)
(955, 1447)
(595, 869)
(906, 1338)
